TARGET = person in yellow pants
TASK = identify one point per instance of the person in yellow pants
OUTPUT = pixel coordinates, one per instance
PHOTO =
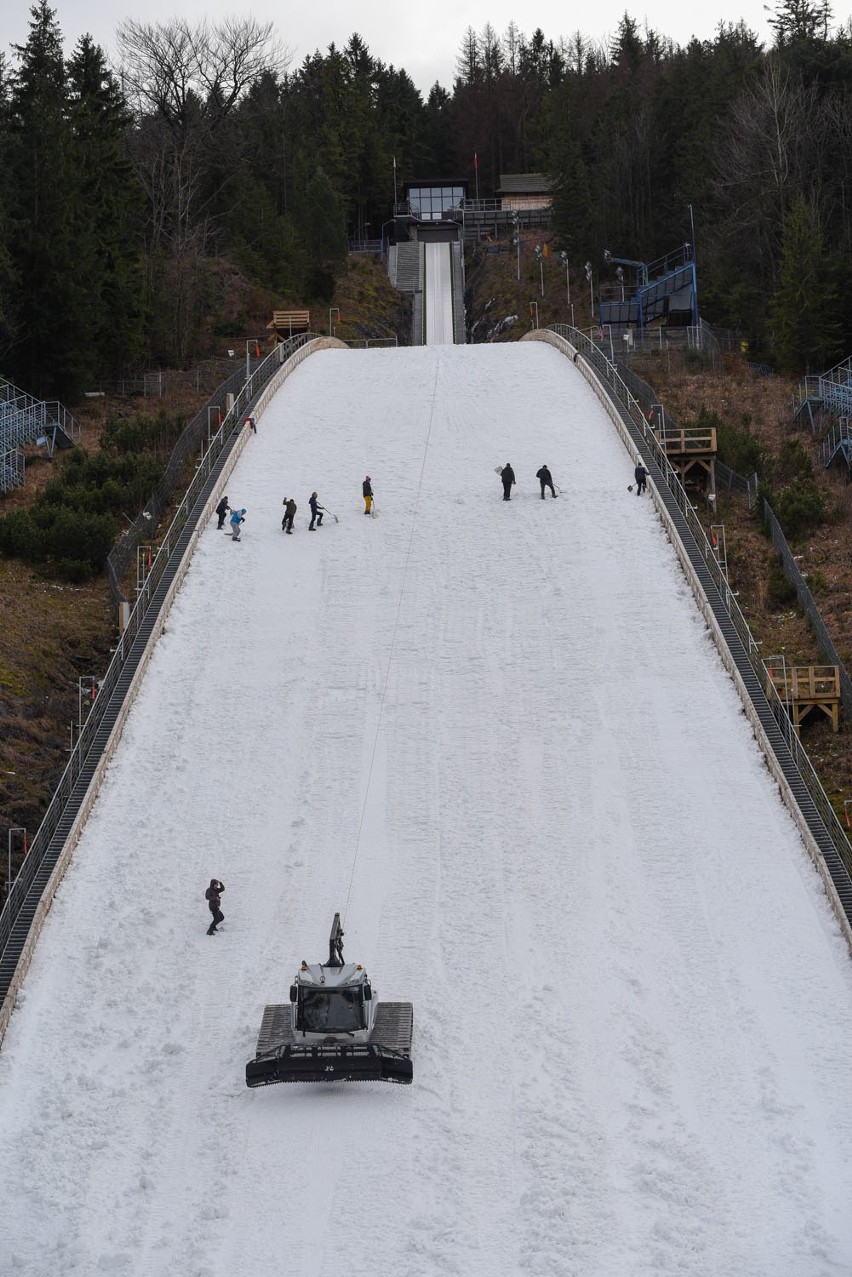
(367, 489)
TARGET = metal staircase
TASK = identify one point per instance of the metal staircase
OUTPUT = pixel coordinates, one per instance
(25, 420)
(837, 445)
(667, 289)
(829, 392)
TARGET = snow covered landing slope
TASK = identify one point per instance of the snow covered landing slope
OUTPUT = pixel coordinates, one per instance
(497, 735)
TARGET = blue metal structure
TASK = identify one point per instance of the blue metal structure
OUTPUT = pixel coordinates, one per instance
(665, 289)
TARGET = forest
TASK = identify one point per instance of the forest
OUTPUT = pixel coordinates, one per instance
(129, 186)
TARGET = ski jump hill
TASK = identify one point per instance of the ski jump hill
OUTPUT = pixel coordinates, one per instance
(498, 737)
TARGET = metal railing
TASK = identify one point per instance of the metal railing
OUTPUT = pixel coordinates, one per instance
(611, 376)
(224, 436)
(13, 470)
(365, 343)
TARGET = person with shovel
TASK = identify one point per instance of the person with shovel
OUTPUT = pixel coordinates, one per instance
(545, 478)
(316, 513)
(507, 476)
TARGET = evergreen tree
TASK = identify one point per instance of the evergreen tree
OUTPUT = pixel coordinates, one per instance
(107, 195)
(322, 221)
(8, 278)
(803, 327)
(49, 298)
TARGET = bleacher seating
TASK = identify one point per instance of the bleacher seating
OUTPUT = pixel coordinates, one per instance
(25, 420)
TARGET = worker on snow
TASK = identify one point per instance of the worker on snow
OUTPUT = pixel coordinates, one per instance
(289, 514)
(507, 475)
(545, 478)
(640, 474)
(222, 509)
(367, 489)
(238, 517)
(213, 896)
(316, 512)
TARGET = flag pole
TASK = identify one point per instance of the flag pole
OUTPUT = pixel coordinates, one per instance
(476, 171)
(394, 184)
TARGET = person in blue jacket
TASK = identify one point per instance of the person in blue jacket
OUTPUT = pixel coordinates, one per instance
(237, 518)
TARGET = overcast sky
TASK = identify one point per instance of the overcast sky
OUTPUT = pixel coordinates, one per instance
(424, 40)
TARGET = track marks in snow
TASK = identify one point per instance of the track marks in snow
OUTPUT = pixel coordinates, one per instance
(631, 1003)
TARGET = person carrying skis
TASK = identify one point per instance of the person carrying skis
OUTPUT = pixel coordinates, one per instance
(222, 509)
(237, 518)
(545, 478)
(640, 474)
(316, 512)
(213, 896)
(367, 489)
(289, 514)
(507, 475)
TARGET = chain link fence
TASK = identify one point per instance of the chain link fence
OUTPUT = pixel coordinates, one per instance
(152, 385)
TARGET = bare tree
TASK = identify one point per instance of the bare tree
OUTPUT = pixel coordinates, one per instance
(184, 81)
(766, 159)
(186, 71)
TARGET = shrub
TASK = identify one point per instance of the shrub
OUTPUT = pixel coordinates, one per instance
(793, 462)
(817, 583)
(799, 507)
(780, 590)
(156, 434)
(736, 445)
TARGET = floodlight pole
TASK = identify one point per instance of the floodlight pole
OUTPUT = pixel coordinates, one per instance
(248, 357)
(564, 258)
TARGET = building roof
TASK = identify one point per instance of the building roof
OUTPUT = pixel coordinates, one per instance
(525, 184)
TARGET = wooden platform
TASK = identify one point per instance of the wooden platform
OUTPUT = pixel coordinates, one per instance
(807, 687)
(691, 447)
(285, 323)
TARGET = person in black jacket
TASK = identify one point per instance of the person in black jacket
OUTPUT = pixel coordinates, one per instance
(213, 896)
(367, 489)
(545, 478)
(316, 512)
(640, 474)
(507, 475)
(222, 509)
(289, 514)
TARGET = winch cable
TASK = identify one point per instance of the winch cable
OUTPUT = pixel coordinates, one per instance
(393, 638)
